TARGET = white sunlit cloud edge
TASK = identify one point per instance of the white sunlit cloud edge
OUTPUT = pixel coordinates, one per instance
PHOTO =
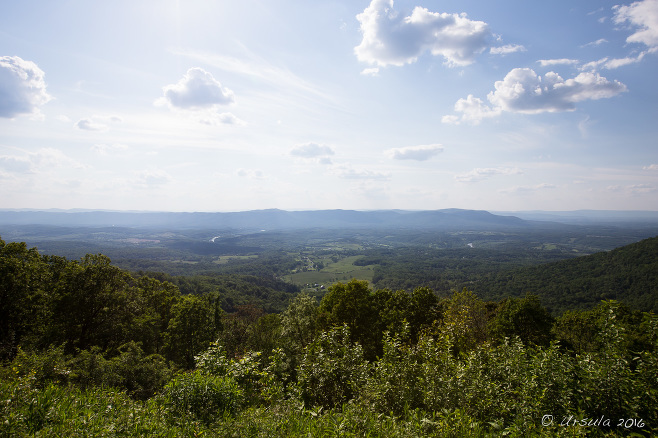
(22, 87)
(524, 91)
(201, 96)
(389, 38)
(416, 153)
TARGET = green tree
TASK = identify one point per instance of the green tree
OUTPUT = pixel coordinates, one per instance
(523, 317)
(90, 305)
(465, 320)
(23, 276)
(153, 304)
(352, 303)
(191, 329)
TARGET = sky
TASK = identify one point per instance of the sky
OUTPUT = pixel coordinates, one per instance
(222, 105)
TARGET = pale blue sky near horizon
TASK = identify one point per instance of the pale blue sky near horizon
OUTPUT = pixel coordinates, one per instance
(227, 106)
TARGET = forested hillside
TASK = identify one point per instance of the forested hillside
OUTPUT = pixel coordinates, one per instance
(90, 349)
(628, 274)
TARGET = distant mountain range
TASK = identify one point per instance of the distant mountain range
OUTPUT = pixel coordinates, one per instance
(585, 217)
(269, 219)
(274, 219)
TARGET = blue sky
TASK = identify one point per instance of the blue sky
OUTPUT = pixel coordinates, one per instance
(226, 106)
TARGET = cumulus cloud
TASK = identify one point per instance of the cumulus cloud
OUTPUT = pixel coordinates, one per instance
(389, 38)
(523, 91)
(197, 90)
(642, 15)
(507, 49)
(22, 87)
(651, 167)
(418, 153)
(472, 110)
(480, 174)
(311, 150)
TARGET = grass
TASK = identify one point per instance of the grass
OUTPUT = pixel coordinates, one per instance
(222, 260)
(342, 270)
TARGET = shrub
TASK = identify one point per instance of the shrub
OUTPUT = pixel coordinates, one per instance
(332, 370)
(202, 396)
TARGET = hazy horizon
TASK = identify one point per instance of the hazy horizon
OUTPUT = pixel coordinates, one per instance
(171, 106)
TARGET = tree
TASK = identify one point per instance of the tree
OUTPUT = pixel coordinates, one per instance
(191, 330)
(23, 276)
(90, 305)
(352, 303)
(523, 317)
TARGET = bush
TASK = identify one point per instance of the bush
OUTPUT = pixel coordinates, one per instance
(202, 396)
(332, 370)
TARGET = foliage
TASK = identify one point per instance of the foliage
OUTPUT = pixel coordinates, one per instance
(362, 363)
(628, 274)
(202, 396)
(524, 317)
(332, 370)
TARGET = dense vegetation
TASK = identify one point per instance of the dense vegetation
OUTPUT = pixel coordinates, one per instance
(629, 273)
(89, 349)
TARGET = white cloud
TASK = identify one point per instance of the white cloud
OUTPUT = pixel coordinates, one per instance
(90, 125)
(620, 62)
(97, 123)
(563, 61)
(251, 65)
(389, 38)
(472, 110)
(197, 90)
(595, 43)
(642, 15)
(370, 71)
(311, 150)
(611, 64)
(22, 87)
(650, 167)
(523, 91)
(480, 174)
(418, 153)
(507, 49)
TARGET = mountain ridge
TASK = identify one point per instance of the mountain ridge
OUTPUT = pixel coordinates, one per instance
(270, 219)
